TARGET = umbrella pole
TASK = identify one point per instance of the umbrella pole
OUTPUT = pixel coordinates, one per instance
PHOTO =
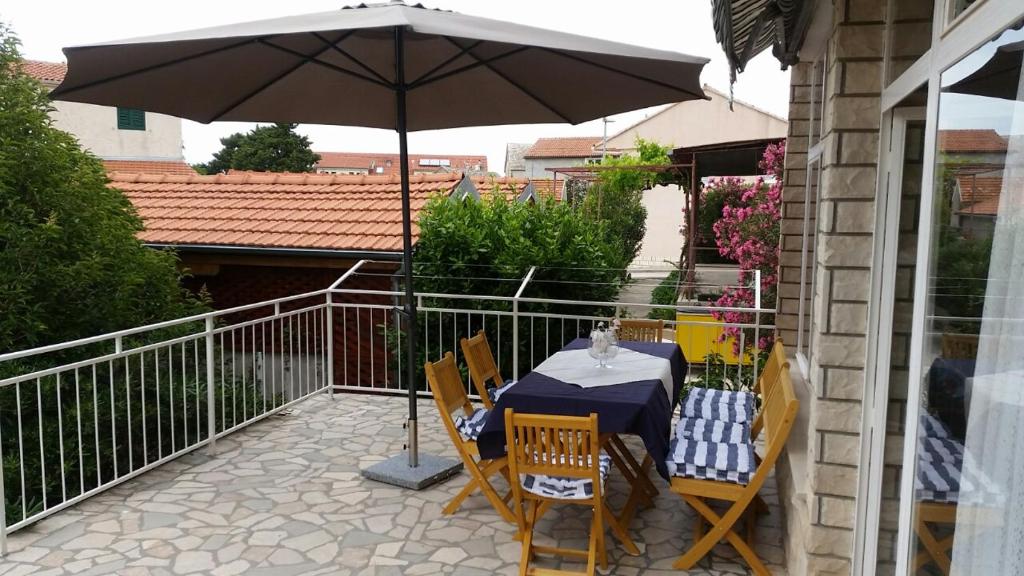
(410, 301)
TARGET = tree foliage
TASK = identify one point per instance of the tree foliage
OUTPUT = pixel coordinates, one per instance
(272, 148)
(616, 197)
(71, 264)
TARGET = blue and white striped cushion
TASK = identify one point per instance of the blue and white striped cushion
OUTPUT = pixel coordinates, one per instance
(469, 428)
(932, 427)
(727, 405)
(704, 460)
(712, 430)
(941, 476)
(495, 393)
(565, 488)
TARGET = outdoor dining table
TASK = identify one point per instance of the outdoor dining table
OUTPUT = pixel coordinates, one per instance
(638, 404)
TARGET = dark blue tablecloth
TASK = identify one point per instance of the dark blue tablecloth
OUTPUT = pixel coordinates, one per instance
(639, 408)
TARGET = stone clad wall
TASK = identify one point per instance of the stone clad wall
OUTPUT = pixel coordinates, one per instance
(843, 253)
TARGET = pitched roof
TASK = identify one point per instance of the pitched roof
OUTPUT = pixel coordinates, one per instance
(46, 72)
(574, 147)
(149, 166)
(389, 163)
(979, 194)
(971, 141)
(312, 211)
(511, 187)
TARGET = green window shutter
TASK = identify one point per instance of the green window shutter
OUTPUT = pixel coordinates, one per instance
(131, 119)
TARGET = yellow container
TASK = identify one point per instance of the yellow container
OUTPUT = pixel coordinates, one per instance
(700, 334)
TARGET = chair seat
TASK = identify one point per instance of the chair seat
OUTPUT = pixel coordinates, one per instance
(712, 430)
(469, 427)
(726, 405)
(564, 487)
(495, 393)
(709, 460)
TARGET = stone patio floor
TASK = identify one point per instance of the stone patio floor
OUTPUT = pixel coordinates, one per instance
(284, 496)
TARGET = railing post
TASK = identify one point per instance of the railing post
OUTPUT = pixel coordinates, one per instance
(330, 344)
(211, 421)
(757, 321)
(515, 322)
(118, 345)
(3, 499)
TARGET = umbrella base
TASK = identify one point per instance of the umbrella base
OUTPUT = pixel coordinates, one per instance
(397, 472)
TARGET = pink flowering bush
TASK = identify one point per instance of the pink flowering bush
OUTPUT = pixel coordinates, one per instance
(749, 233)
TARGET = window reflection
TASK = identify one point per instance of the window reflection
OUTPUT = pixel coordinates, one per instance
(969, 512)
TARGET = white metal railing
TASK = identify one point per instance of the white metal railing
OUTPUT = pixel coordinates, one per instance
(92, 413)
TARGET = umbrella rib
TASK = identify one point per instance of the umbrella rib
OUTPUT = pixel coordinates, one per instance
(624, 73)
(447, 61)
(270, 83)
(339, 50)
(58, 91)
(519, 86)
(326, 64)
(478, 63)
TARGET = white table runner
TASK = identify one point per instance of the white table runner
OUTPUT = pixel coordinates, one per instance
(578, 368)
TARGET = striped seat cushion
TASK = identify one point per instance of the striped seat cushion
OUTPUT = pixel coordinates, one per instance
(932, 427)
(712, 430)
(727, 405)
(469, 428)
(709, 460)
(495, 393)
(563, 487)
(943, 477)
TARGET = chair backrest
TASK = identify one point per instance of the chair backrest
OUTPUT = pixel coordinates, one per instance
(960, 346)
(641, 330)
(553, 445)
(779, 413)
(767, 381)
(449, 392)
(482, 366)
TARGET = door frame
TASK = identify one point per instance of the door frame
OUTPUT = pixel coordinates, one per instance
(880, 321)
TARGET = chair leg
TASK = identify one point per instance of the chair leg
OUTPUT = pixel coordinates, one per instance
(459, 498)
(527, 554)
(620, 532)
(937, 553)
(478, 481)
(719, 527)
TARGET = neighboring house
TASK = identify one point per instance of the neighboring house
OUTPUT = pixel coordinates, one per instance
(246, 237)
(515, 164)
(560, 153)
(389, 165)
(123, 135)
(886, 101)
(975, 204)
(700, 122)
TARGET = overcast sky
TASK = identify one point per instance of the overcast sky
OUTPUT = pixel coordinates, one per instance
(681, 26)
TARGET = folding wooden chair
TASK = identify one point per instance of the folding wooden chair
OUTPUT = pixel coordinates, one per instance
(641, 330)
(766, 380)
(450, 394)
(738, 487)
(557, 459)
(482, 367)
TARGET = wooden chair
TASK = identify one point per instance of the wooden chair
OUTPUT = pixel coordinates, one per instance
(450, 394)
(778, 412)
(641, 330)
(766, 380)
(482, 367)
(557, 459)
(960, 346)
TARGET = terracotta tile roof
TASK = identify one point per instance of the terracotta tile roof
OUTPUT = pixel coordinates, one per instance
(545, 187)
(149, 166)
(576, 147)
(389, 165)
(315, 211)
(511, 187)
(46, 72)
(979, 194)
(971, 141)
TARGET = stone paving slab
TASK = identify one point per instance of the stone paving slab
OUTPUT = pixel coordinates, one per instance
(285, 497)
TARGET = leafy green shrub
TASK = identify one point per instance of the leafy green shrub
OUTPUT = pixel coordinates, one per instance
(665, 294)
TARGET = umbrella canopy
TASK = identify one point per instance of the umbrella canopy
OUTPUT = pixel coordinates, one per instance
(999, 77)
(383, 66)
(339, 68)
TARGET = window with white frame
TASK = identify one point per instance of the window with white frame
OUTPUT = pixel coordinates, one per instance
(808, 263)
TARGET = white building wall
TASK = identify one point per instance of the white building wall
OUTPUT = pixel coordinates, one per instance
(662, 241)
(96, 129)
(537, 167)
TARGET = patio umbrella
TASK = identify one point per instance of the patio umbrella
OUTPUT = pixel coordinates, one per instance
(999, 77)
(388, 66)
